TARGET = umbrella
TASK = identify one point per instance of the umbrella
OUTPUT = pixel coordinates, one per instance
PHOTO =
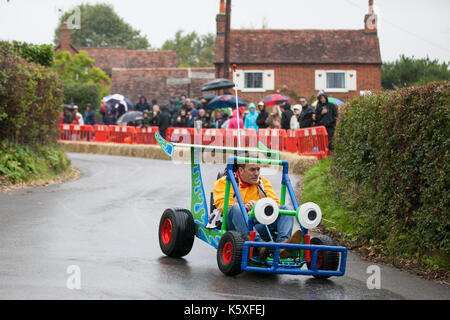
(208, 96)
(218, 84)
(130, 117)
(331, 100)
(275, 99)
(67, 106)
(225, 101)
(122, 100)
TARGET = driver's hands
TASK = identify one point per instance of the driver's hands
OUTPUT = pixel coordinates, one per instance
(249, 205)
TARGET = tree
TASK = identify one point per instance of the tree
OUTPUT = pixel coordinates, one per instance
(79, 74)
(192, 49)
(102, 27)
(407, 71)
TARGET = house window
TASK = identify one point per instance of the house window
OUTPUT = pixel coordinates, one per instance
(254, 80)
(335, 80)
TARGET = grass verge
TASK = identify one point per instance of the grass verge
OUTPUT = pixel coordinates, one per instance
(22, 166)
(337, 222)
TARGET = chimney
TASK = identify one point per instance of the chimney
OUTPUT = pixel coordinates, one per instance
(64, 38)
(371, 21)
(221, 20)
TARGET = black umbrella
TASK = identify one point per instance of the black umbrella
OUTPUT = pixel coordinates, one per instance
(130, 117)
(218, 84)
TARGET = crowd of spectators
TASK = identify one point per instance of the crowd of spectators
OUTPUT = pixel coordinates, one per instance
(184, 112)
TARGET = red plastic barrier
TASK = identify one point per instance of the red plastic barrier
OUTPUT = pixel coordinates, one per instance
(146, 135)
(213, 137)
(75, 132)
(313, 142)
(180, 135)
(274, 139)
(101, 133)
(249, 138)
(292, 137)
(120, 134)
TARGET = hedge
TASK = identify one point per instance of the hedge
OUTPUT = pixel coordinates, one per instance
(391, 168)
(30, 100)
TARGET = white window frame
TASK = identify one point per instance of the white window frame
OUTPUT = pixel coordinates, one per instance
(262, 89)
(349, 78)
(268, 81)
(344, 89)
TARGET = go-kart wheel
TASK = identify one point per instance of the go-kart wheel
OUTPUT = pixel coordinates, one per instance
(326, 260)
(176, 232)
(229, 253)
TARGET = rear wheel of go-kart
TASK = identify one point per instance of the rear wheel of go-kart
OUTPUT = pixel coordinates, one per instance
(176, 232)
(326, 260)
(229, 253)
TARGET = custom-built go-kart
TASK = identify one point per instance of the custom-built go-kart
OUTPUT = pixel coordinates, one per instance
(179, 227)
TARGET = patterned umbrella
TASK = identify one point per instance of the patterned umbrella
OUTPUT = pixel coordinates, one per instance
(275, 99)
(330, 100)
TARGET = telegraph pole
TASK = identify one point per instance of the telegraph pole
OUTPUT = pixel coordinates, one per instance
(226, 55)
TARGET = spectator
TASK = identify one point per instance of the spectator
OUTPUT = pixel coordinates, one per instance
(274, 119)
(286, 115)
(145, 120)
(77, 117)
(189, 106)
(120, 109)
(202, 103)
(142, 105)
(172, 109)
(102, 110)
(218, 119)
(190, 119)
(295, 120)
(110, 118)
(89, 116)
(250, 119)
(233, 123)
(306, 116)
(262, 117)
(182, 119)
(203, 118)
(160, 119)
(326, 115)
(67, 116)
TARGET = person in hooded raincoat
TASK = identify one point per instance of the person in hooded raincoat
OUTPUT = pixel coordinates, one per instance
(250, 119)
(326, 115)
(233, 124)
(142, 105)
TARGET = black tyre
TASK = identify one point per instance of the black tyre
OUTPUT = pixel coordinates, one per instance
(176, 232)
(229, 253)
(326, 260)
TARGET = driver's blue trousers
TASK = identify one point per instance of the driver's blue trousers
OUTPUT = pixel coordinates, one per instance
(283, 225)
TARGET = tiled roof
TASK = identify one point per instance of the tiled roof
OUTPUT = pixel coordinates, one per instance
(300, 46)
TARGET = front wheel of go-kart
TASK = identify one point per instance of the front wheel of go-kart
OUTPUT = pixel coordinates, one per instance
(229, 253)
(176, 232)
(326, 260)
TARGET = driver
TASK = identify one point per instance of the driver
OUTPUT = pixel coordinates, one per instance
(254, 187)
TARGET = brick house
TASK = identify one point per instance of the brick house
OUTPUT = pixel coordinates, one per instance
(343, 63)
(154, 73)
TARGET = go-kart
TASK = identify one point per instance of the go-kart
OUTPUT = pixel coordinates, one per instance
(179, 227)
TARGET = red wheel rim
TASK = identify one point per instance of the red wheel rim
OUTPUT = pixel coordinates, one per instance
(227, 252)
(166, 231)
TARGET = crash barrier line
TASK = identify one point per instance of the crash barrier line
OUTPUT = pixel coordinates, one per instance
(306, 142)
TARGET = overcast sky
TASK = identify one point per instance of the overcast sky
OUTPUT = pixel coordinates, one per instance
(412, 27)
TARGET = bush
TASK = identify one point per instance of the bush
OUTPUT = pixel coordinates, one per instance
(30, 100)
(41, 54)
(81, 95)
(391, 168)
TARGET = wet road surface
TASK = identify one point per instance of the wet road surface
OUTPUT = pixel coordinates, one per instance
(106, 225)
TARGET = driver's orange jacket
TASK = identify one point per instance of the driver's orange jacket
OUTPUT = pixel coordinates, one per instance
(248, 193)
